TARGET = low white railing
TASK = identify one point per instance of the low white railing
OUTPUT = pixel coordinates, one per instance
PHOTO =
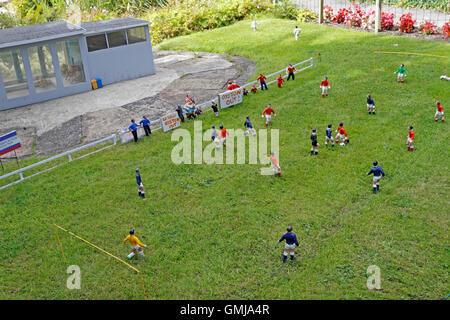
(65, 154)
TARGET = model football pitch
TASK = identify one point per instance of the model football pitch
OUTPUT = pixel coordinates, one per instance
(212, 230)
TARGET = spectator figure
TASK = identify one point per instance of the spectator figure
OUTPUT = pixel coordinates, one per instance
(290, 72)
(254, 89)
(179, 110)
(133, 128)
(254, 25)
(232, 85)
(291, 242)
(262, 80)
(244, 91)
(297, 32)
(280, 81)
(215, 108)
(145, 123)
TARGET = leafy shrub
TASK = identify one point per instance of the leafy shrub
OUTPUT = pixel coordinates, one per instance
(387, 21)
(406, 23)
(428, 28)
(446, 30)
(8, 21)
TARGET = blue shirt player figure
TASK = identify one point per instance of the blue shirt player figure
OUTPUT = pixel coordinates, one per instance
(291, 242)
(377, 172)
(370, 104)
(249, 127)
(133, 128)
(329, 136)
(145, 123)
(141, 190)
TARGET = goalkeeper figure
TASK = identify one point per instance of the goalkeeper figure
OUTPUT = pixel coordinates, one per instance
(136, 245)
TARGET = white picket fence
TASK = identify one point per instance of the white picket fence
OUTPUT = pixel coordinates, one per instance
(126, 135)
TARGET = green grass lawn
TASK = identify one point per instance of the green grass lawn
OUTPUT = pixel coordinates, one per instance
(212, 230)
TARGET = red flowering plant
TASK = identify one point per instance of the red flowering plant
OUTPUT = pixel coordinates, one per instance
(328, 13)
(406, 23)
(340, 16)
(428, 28)
(387, 21)
(446, 30)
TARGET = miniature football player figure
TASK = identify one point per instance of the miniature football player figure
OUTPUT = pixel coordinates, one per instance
(249, 127)
(276, 167)
(377, 172)
(410, 140)
(370, 104)
(268, 113)
(315, 144)
(329, 136)
(135, 243)
(341, 135)
(291, 242)
(439, 112)
(401, 73)
(325, 85)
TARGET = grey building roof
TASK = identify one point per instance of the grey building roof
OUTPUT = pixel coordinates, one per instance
(12, 37)
(100, 26)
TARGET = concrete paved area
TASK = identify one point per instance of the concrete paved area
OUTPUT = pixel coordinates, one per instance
(54, 126)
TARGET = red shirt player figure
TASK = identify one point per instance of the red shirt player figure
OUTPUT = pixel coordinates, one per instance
(341, 135)
(254, 89)
(410, 140)
(290, 71)
(262, 80)
(268, 113)
(325, 85)
(439, 112)
(280, 81)
(223, 136)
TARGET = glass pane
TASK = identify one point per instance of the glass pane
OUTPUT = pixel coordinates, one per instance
(116, 39)
(136, 35)
(97, 42)
(70, 62)
(13, 74)
(41, 63)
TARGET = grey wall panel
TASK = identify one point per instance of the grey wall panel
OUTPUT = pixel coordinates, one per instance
(121, 63)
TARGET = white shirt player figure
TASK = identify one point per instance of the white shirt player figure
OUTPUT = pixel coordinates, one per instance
(254, 25)
(297, 32)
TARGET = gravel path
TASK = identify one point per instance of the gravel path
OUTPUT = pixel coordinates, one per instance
(439, 18)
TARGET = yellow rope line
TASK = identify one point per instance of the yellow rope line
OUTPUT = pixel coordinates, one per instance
(60, 244)
(97, 247)
(102, 250)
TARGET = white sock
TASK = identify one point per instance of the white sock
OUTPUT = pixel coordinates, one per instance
(141, 253)
(131, 255)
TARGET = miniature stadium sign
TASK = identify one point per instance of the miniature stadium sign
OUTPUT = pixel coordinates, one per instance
(230, 98)
(9, 142)
(170, 122)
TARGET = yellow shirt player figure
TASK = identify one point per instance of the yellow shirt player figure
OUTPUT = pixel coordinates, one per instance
(136, 244)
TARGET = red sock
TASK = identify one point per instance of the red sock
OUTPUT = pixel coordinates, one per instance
(322, 96)
(435, 121)
(443, 120)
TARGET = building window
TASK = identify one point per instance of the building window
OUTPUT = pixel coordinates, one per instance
(70, 62)
(97, 42)
(136, 35)
(116, 39)
(41, 63)
(13, 73)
